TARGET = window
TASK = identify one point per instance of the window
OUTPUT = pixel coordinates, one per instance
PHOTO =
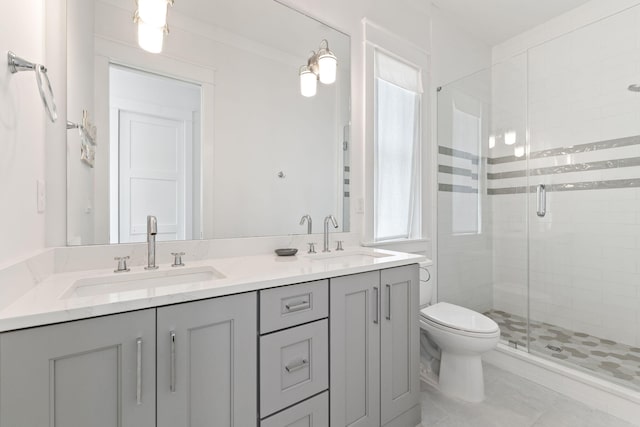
(397, 168)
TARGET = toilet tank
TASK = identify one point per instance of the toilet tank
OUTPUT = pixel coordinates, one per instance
(427, 283)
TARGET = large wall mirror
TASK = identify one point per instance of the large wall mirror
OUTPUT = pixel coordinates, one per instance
(212, 135)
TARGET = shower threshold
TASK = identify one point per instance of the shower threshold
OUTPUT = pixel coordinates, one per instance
(617, 362)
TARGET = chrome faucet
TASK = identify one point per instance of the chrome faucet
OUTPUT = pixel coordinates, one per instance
(326, 231)
(152, 230)
(307, 218)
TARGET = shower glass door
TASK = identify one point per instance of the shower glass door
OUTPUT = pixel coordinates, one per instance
(482, 215)
(584, 200)
(539, 198)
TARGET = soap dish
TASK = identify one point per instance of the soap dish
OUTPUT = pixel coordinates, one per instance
(286, 251)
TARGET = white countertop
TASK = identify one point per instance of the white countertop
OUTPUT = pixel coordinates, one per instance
(53, 300)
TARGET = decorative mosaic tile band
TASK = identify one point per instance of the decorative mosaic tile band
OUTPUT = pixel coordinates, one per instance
(449, 188)
(578, 167)
(581, 148)
(475, 159)
(458, 171)
(573, 186)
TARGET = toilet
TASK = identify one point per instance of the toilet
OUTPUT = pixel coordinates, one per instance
(462, 335)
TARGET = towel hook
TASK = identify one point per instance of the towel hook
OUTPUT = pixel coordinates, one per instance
(17, 64)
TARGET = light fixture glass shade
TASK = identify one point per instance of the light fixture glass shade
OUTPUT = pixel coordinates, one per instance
(153, 12)
(150, 38)
(518, 151)
(308, 82)
(328, 66)
(510, 137)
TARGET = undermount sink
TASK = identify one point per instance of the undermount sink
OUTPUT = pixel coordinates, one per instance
(348, 257)
(125, 282)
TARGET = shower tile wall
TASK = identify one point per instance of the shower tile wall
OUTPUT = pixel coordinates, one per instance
(585, 253)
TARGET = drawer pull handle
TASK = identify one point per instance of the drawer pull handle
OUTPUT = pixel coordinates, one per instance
(297, 306)
(302, 363)
(139, 371)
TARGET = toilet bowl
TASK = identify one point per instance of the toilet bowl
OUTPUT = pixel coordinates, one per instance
(462, 336)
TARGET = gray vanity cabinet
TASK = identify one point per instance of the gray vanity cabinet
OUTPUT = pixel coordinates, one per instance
(98, 372)
(375, 348)
(400, 345)
(207, 363)
(355, 350)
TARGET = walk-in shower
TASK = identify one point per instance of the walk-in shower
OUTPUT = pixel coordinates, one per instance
(539, 197)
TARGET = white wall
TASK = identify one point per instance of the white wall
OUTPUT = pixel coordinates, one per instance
(455, 53)
(22, 129)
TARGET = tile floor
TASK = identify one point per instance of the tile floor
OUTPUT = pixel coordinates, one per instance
(511, 401)
(614, 361)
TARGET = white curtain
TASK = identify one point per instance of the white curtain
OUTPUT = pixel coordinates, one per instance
(397, 149)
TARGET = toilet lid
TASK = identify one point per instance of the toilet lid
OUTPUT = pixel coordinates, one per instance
(456, 317)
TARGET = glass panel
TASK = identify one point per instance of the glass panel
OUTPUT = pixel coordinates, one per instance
(585, 150)
(506, 175)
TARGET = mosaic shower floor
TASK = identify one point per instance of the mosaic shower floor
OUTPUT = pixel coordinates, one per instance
(618, 362)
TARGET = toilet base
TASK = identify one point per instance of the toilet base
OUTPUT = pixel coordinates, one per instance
(461, 376)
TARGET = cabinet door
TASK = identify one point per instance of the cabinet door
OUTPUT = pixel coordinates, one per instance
(400, 341)
(207, 363)
(355, 350)
(97, 372)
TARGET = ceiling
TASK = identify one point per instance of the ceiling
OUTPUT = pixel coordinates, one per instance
(494, 21)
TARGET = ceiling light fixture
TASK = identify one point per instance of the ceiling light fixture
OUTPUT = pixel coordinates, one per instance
(322, 66)
(151, 17)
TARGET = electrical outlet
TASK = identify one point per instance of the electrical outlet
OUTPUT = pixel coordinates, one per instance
(360, 206)
(41, 195)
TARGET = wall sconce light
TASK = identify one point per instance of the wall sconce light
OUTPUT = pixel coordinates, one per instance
(151, 17)
(321, 65)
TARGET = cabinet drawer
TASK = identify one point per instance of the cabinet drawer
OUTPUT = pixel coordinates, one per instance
(292, 305)
(310, 413)
(294, 365)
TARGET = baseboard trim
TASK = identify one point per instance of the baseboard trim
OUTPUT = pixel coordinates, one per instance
(597, 393)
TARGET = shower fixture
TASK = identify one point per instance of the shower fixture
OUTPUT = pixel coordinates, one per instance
(634, 88)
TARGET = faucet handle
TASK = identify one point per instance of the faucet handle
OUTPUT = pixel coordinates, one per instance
(177, 259)
(312, 248)
(339, 245)
(122, 264)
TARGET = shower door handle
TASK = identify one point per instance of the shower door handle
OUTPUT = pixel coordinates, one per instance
(542, 200)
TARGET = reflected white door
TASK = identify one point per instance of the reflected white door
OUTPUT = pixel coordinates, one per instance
(155, 171)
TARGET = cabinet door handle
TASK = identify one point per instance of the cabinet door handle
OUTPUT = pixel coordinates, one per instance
(172, 373)
(139, 371)
(376, 307)
(299, 364)
(388, 302)
(297, 306)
